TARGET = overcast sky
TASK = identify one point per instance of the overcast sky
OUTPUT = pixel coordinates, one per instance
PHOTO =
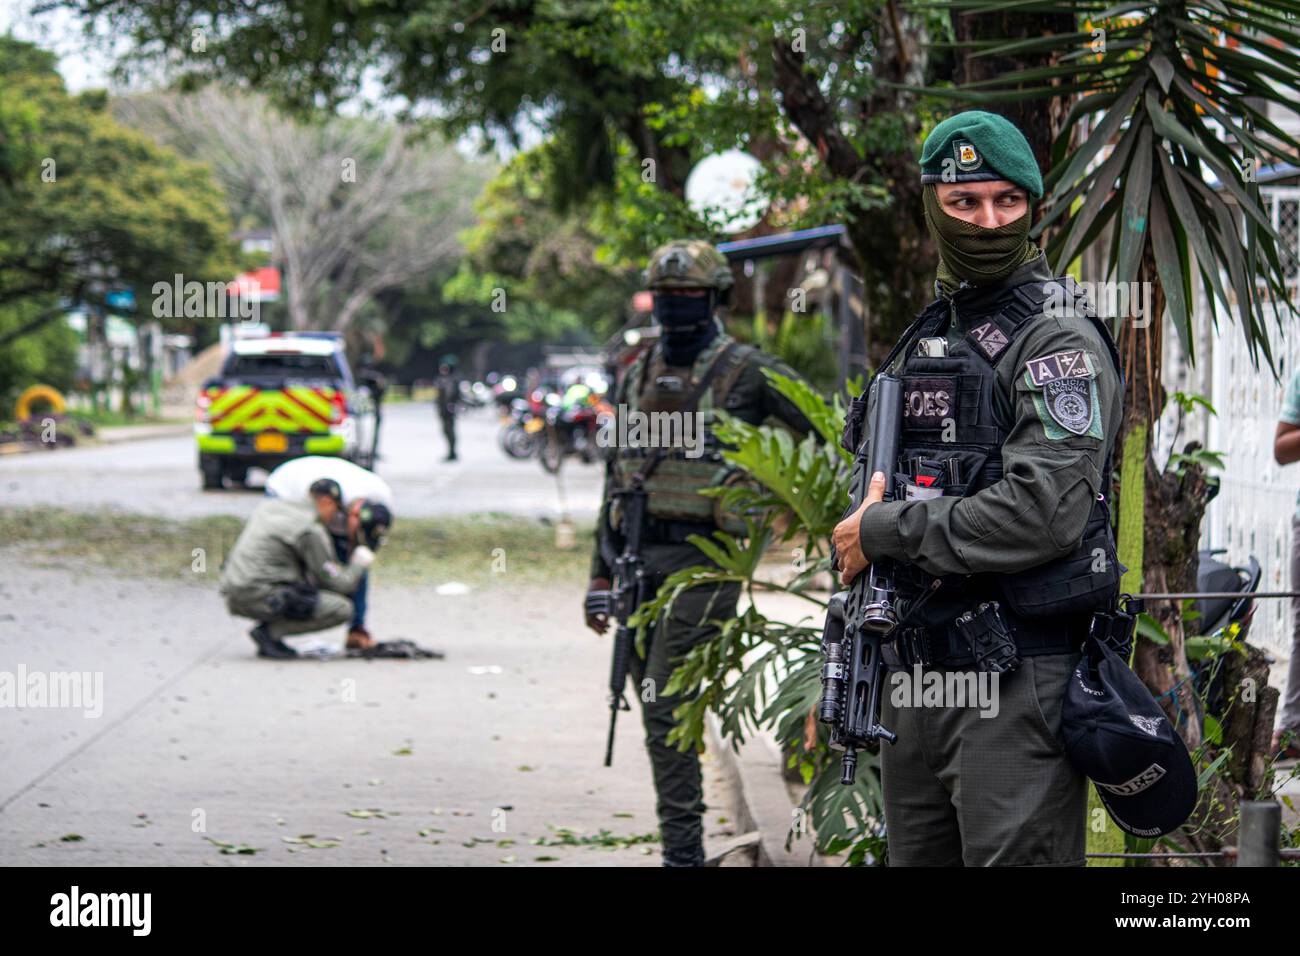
(82, 66)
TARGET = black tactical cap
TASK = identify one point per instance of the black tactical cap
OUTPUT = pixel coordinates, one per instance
(1118, 736)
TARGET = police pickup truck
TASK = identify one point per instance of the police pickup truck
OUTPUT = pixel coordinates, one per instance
(279, 397)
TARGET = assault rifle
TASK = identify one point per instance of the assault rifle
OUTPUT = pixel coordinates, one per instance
(630, 588)
(860, 619)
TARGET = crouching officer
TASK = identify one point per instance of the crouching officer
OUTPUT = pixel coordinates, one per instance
(693, 367)
(999, 523)
(283, 572)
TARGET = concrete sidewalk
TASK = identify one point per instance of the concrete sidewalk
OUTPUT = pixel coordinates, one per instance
(463, 761)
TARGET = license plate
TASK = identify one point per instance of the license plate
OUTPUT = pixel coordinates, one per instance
(534, 425)
(271, 441)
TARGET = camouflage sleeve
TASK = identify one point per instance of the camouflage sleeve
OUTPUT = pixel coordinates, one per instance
(1065, 401)
(318, 556)
(599, 566)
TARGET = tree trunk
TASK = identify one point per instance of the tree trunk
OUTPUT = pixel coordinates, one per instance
(1247, 774)
(1040, 120)
(1173, 508)
(893, 251)
(1173, 503)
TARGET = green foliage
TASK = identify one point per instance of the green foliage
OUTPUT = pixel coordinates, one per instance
(46, 356)
(114, 200)
(802, 340)
(760, 672)
(1180, 109)
(1187, 403)
(817, 91)
(85, 204)
(555, 272)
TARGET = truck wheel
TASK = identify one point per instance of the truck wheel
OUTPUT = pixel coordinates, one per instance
(238, 473)
(212, 471)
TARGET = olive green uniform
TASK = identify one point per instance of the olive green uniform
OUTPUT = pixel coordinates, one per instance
(751, 398)
(960, 788)
(282, 545)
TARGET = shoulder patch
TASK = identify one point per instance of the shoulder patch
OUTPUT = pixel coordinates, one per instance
(1064, 386)
(1070, 403)
(1074, 363)
(1065, 394)
(990, 339)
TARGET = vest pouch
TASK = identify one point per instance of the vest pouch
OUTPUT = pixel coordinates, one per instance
(1085, 580)
(936, 609)
(947, 469)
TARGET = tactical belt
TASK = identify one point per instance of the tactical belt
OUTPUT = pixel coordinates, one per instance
(947, 648)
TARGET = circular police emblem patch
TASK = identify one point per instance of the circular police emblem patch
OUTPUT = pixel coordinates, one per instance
(1069, 402)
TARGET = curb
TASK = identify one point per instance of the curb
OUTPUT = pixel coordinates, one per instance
(112, 435)
(764, 802)
(107, 436)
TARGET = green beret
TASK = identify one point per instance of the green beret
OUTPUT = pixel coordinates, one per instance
(979, 146)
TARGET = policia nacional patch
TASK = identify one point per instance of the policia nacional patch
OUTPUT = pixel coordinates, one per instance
(1064, 386)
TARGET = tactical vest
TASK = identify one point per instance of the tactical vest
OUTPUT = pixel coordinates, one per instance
(656, 390)
(951, 444)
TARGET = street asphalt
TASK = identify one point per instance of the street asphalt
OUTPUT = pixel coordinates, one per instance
(160, 476)
(491, 756)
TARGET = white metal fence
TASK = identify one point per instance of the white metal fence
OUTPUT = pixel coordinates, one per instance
(1252, 514)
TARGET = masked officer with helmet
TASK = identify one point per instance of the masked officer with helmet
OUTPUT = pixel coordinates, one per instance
(283, 570)
(1012, 398)
(690, 281)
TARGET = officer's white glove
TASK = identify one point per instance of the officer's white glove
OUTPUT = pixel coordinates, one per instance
(362, 556)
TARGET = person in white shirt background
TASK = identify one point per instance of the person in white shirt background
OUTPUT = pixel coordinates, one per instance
(360, 488)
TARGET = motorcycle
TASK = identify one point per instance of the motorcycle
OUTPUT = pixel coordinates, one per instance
(521, 428)
(571, 432)
(1222, 618)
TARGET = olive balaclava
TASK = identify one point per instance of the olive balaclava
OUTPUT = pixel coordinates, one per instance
(976, 254)
(975, 146)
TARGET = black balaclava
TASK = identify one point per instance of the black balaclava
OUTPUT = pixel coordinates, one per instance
(688, 325)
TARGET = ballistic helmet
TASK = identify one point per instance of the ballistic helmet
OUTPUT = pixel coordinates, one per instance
(688, 264)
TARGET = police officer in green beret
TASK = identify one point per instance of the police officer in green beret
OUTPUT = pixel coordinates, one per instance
(999, 523)
(693, 367)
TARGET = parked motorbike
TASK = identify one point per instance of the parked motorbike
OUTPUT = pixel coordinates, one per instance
(1219, 618)
(570, 432)
(522, 424)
